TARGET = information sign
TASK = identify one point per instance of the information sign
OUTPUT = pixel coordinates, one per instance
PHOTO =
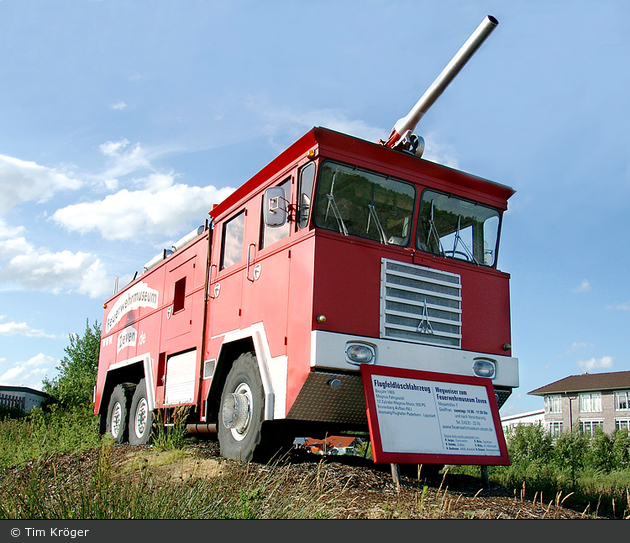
(432, 418)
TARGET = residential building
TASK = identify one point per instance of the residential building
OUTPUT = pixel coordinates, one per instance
(587, 402)
(23, 398)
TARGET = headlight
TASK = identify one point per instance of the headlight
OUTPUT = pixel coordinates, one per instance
(484, 367)
(360, 353)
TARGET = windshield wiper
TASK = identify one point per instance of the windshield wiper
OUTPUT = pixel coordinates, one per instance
(434, 231)
(467, 252)
(377, 222)
(332, 204)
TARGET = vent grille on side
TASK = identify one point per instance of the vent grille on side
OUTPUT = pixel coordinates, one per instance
(420, 304)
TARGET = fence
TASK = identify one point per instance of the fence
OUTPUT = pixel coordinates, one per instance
(12, 402)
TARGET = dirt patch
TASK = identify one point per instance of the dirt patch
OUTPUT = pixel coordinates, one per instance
(178, 464)
(361, 488)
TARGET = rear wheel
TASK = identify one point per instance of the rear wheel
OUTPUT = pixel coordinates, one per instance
(118, 412)
(241, 412)
(141, 418)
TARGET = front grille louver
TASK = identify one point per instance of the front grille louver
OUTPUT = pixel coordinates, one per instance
(420, 304)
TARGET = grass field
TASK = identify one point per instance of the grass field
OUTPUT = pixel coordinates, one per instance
(55, 465)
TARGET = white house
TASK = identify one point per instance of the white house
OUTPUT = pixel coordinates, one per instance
(530, 418)
(23, 398)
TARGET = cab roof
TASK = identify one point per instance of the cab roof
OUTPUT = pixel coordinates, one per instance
(336, 145)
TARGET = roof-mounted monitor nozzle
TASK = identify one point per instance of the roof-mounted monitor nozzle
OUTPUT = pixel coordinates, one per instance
(401, 136)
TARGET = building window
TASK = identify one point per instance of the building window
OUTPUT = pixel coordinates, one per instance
(591, 402)
(553, 403)
(554, 428)
(622, 424)
(589, 426)
(622, 400)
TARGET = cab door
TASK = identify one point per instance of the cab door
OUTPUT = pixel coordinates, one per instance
(227, 275)
(266, 283)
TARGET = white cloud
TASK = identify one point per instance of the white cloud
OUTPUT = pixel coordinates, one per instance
(22, 181)
(283, 120)
(7, 231)
(162, 208)
(119, 106)
(125, 159)
(584, 286)
(440, 153)
(41, 269)
(113, 148)
(623, 306)
(29, 373)
(13, 328)
(576, 346)
(596, 363)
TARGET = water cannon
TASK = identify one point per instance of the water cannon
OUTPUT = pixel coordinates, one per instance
(401, 136)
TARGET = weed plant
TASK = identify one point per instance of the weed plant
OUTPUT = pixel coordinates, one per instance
(573, 469)
(41, 434)
(591, 470)
(102, 492)
(35, 485)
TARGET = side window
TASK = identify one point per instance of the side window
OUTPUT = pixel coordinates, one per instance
(179, 295)
(232, 240)
(271, 234)
(307, 176)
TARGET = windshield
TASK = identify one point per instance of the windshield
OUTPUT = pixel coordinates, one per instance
(356, 202)
(458, 228)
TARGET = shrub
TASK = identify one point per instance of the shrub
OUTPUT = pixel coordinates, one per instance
(528, 444)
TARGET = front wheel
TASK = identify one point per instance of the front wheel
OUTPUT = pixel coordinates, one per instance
(140, 418)
(241, 412)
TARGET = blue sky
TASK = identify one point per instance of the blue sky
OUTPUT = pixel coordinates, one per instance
(122, 121)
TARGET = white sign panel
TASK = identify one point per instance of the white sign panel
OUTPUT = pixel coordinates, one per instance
(426, 416)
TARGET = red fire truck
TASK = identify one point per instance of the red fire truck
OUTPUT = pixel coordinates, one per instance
(339, 253)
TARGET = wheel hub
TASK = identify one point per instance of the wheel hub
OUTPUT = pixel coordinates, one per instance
(141, 418)
(116, 420)
(237, 411)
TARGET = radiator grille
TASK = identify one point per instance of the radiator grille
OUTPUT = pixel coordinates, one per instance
(420, 304)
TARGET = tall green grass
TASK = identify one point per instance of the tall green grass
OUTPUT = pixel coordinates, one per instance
(589, 471)
(37, 481)
(42, 434)
(103, 491)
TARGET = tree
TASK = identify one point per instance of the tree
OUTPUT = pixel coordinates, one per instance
(75, 382)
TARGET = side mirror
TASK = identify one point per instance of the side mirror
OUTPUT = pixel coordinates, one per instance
(275, 206)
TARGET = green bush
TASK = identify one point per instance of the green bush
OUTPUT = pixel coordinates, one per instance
(528, 444)
(43, 433)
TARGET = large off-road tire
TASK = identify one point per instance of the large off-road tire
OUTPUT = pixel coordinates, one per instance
(118, 412)
(140, 417)
(241, 410)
